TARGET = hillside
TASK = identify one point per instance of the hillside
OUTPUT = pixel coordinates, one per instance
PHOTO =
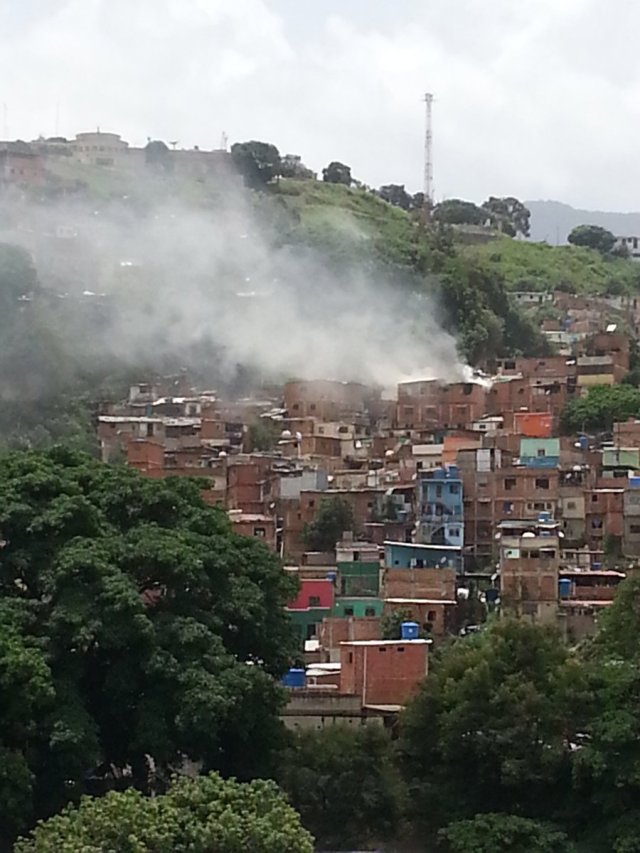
(552, 221)
(538, 266)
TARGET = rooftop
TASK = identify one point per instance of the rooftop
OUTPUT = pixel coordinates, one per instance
(385, 642)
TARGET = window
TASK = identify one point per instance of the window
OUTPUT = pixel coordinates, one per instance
(594, 498)
(541, 452)
(350, 658)
(509, 483)
(634, 528)
(369, 611)
(348, 611)
(400, 649)
(454, 488)
(312, 504)
(356, 555)
(312, 407)
(314, 601)
(260, 532)
(431, 616)
(454, 531)
(571, 504)
(296, 407)
(382, 648)
(438, 491)
(542, 482)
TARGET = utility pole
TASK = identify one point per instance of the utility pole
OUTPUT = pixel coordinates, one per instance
(428, 158)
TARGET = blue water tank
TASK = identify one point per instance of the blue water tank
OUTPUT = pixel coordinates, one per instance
(332, 576)
(584, 442)
(634, 482)
(294, 678)
(544, 517)
(564, 588)
(409, 631)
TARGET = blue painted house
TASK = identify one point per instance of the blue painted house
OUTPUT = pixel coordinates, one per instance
(440, 508)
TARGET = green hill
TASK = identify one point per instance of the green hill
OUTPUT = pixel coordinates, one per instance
(537, 266)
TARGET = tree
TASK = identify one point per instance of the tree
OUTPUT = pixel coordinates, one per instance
(503, 704)
(503, 833)
(345, 785)
(155, 632)
(158, 155)
(257, 162)
(333, 518)
(204, 814)
(593, 237)
(603, 406)
(455, 211)
(396, 195)
(337, 173)
(293, 167)
(18, 277)
(508, 215)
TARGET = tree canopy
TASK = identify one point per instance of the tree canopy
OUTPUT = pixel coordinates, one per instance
(204, 814)
(337, 173)
(333, 518)
(345, 784)
(257, 162)
(603, 406)
(455, 211)
(502, 704)
(503, 833)
(134, 625)
(508, 215)
(18, 277)
(397, 195)
(593, 237)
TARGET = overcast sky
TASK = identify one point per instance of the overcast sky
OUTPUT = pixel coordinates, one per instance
(535, 98)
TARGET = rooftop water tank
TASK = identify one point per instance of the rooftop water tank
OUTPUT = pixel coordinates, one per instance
(409, 631)
(295, 677)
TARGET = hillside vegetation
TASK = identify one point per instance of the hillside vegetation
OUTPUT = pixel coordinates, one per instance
(538, 266)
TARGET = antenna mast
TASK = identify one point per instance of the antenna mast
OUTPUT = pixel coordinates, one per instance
(428, 157)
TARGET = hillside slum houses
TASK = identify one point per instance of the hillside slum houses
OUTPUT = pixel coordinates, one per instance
(465, 499)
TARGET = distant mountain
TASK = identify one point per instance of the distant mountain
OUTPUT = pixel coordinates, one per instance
(552, 221)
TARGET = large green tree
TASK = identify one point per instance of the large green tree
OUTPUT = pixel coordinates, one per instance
(455, 211)
(152, 631)
(257, 162)
(503, 833)
(333, 518)
(345, 784)
(593, 237)
(508, 215)
(337, 173)
(492, 727)
(603, 406)
(194, 816)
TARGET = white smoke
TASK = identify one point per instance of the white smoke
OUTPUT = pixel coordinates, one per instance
(231, 270)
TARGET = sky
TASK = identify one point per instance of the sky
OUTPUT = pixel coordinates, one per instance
(534, 98)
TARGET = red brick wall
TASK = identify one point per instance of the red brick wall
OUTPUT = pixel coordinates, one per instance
(385, 673)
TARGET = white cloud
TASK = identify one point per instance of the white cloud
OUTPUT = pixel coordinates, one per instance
(537, 98)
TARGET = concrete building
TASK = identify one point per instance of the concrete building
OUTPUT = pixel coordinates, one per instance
(529, 568)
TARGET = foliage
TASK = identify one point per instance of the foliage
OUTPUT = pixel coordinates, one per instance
(345, 785)
(455, 211)
(157, 154)
(603, 406)
(337, 173)
(262, 435)
(538, 266)
(293, 167)
(333, 518)
(397, 195)
(17, 277)
(194, 816)
(154, 629)
(257, 162)
(508, 215)
(503, 833)
(593, 237)
(503, 704)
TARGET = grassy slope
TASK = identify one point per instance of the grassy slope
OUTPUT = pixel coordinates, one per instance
(537, 266)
